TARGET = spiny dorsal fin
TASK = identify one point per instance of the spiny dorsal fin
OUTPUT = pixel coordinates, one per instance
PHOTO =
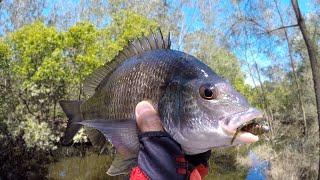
(137, 47)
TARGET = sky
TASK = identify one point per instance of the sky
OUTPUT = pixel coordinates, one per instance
(254, 53)
(193, 22)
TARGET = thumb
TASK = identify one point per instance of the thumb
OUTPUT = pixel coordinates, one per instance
(147, 117)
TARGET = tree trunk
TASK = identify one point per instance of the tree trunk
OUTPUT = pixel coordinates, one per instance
(295, 76)
(312, 52)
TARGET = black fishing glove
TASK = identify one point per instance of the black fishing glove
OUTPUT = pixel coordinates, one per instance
(160, 157)
(199, 162)
(199, 159)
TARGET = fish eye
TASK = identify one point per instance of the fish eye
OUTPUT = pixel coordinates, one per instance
(208, 92)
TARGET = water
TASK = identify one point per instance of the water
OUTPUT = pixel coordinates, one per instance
(94, 166)
(259, 168)
(91, 166)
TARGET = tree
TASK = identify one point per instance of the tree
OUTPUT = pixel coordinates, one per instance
(293, 68)
(312, 52)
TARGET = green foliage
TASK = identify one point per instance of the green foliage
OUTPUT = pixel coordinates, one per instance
(125, 26)
(38, 71)
(38, 135)
(84, 51)
(5, 54)
(31, 45)
(52, 69)
(40, 65)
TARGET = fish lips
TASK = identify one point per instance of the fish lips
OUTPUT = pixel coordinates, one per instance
(232, 123)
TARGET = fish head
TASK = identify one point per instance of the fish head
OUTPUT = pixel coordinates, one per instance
(202, 111)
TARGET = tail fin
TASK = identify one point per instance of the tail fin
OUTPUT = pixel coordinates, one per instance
(73, 112)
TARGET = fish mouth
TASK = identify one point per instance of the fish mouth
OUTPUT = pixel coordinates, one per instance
(246, 126)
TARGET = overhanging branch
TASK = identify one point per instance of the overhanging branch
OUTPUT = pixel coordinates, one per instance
(282, 27)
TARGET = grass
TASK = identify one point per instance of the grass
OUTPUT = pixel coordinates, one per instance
(224, 166)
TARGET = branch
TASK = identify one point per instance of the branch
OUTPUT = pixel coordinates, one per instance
(253, 21)
(282, 27)
(26, 104)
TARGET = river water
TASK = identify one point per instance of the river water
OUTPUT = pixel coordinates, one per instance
(259, 168)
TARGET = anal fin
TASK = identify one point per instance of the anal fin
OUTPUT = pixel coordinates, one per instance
(122, 165)
(123, 134)
(96, 138)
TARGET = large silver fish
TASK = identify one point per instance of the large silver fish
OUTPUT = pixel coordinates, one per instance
(199, 109)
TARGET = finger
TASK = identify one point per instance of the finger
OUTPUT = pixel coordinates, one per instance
(147, 117)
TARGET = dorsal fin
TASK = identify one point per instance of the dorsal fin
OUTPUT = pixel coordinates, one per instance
(137, 47)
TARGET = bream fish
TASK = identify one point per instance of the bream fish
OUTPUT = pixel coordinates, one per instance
(199, 109)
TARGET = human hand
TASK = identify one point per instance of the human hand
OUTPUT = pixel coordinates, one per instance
(157, 150)
(147, 117)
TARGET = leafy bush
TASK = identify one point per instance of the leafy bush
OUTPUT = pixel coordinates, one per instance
(38, 135)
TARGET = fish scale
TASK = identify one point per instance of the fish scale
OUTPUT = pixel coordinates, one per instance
(124, 86)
